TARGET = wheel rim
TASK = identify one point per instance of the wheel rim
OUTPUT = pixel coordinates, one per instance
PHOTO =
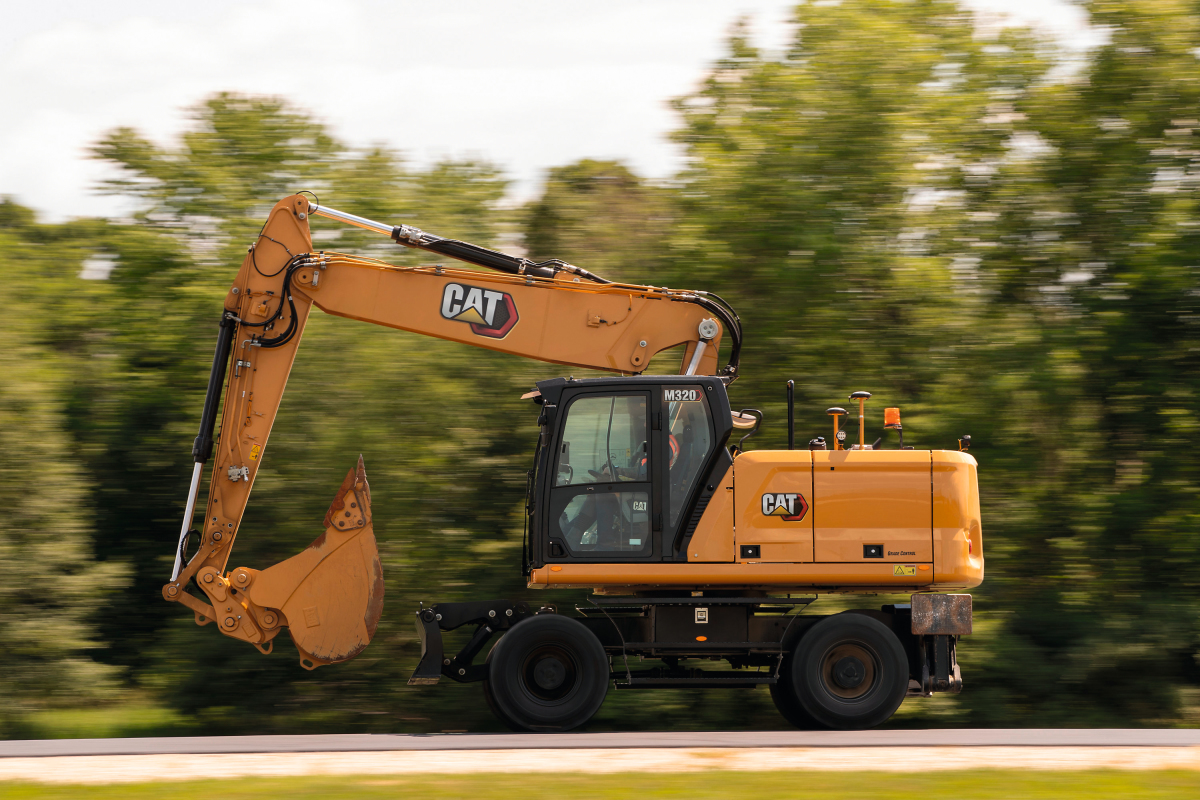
(850, 670)
(549, 673)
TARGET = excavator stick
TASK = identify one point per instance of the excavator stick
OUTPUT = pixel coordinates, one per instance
(331, 593)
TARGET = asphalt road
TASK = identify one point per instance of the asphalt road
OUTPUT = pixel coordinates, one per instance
(328, 743)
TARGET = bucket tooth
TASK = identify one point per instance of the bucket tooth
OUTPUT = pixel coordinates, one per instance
(331, 593)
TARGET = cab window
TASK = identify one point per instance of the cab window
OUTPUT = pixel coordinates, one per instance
(607, 522)
(601, 501)
(689, 442)
(605, 440)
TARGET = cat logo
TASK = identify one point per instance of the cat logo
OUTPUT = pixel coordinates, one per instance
(792, 507)
(488, 312)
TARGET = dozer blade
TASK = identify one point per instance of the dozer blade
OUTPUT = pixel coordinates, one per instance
(331, 594)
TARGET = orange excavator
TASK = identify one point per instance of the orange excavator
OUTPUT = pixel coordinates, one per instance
(696, 549)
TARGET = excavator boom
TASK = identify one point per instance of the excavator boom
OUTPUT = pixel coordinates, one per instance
(330, 595)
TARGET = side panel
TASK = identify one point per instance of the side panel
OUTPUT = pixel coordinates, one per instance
(713, 539)
(872, 497)
(773, 494)
(957, 533)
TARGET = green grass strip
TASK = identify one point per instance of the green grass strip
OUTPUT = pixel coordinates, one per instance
(718, 785)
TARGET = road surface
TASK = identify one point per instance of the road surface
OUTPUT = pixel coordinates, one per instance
(76, 761)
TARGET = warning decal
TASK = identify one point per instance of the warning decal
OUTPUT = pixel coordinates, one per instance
(905, 570)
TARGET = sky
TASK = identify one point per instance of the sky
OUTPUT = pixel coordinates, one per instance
(525, 84)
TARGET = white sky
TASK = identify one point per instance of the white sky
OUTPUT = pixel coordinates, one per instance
(527, 84)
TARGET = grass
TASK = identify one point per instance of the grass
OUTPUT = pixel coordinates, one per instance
(104, 722)
(965, 785)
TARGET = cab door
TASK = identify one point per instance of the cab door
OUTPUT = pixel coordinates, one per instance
(602, 499)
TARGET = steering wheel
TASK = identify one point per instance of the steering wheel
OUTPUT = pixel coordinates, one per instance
(597, 475)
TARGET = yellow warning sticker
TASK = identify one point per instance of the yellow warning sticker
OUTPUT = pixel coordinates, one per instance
(254, 451)
(904, 570)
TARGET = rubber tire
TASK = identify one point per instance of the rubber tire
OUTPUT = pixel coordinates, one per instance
(508, 688)
(490, 699)
(886, 691)
(783, 694)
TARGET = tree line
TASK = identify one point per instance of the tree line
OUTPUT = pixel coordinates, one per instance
(998, 238)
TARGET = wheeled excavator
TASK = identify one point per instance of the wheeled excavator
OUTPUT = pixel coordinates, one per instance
(695, 549)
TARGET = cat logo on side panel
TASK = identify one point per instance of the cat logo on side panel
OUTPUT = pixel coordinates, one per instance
(792, 507)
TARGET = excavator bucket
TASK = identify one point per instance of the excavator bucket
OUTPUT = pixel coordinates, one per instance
(331, 594)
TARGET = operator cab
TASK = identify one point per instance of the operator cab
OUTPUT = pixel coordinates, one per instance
(625, 466)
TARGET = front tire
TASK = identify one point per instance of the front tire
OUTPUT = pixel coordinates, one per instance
(490, 699)
(548, 673)
(849, 672)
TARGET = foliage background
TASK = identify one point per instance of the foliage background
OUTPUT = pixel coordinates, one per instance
(1002, 241)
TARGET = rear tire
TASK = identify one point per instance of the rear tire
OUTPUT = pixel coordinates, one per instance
(548, 673)
(849, 672)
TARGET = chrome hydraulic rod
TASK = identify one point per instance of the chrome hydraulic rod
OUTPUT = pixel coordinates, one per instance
(697, 354)
(351, 219)
(197, 469)
(416, 238)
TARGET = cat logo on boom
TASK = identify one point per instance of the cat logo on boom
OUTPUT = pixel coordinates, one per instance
(792, 507)
(488, 312)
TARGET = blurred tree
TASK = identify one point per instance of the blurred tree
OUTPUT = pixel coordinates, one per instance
(1093, 243)
(824, 189)
(49, 581)
(1000, 241)
(600, 214)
